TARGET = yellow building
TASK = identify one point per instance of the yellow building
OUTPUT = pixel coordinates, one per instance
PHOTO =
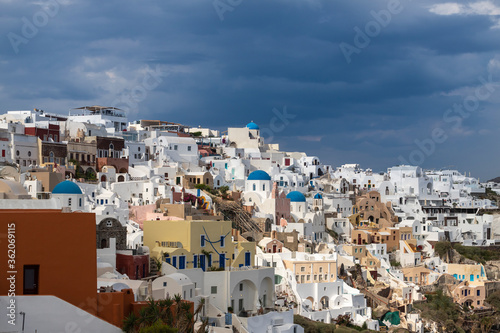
(197, 244)
(465, 272)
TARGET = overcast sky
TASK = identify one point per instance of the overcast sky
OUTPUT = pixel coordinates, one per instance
(378, 83)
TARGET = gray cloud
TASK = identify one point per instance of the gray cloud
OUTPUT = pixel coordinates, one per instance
(265, 55)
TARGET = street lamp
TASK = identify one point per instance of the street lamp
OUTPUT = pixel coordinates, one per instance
(24, 315)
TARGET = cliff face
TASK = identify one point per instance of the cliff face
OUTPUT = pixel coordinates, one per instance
(495, 225)
(453, 257)
(492, 269)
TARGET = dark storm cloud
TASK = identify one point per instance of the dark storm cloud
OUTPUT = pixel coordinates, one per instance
(265, 55)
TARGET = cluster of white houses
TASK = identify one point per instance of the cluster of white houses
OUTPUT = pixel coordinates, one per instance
(322, 233)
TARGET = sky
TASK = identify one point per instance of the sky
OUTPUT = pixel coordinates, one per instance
(378, 83)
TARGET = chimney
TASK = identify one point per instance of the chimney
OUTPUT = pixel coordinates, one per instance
(275, 190)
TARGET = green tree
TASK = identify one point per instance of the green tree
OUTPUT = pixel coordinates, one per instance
(167, 315)
(158, 327)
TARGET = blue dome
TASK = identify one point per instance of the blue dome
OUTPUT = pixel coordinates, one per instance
(296, 196)
(259, 175)
(67, 187)
(318, 196)
(252, 125)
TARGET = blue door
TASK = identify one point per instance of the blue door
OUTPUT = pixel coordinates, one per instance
(247, 259)
(174, 261)
(182, 262)
(222, 260)
(195, 261)
(202, 262)
(472, 278)
(167, 260)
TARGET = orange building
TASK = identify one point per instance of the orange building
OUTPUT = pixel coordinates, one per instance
(55, 255)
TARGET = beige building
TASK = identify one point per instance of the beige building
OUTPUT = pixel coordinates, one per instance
(418, 275)
(469, 295)
(369, 210)
(191, 179)
(310, 271)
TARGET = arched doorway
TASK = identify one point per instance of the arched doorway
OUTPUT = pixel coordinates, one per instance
(244, 296)
(103, 178)
(324, 302)
(311, 300)
(266, 292)
(121, 178)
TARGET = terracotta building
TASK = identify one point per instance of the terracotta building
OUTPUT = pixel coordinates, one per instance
(49, 132)
(135, 266)
(109, 152)
(41, 268)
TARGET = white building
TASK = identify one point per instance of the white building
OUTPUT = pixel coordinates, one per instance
(173, 148)
(113, 119)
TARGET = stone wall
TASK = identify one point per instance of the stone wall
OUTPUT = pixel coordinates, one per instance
(111, 228)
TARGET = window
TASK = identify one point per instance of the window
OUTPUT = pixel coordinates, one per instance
(202, 240)
(17, 152)
(189, 148)
(69, 201)
(302, 269)
(478, 292)
(175, 147)
(222, 238)
(109, 224)
(164, 284)
(241, 286)
(213, 290)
